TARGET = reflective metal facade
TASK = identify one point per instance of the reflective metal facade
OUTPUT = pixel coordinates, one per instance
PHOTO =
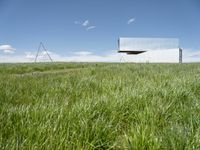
(155, 50)
(157, 56)
(147, 44)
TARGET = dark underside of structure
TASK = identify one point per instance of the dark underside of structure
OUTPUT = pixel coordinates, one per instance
(131, 52)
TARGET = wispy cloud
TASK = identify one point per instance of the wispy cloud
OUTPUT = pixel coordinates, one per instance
(131, 20)
(90, 27)
(79, 56)
(42, 56)
(77, 22)
(87, 56)
(7, 49)
(190, 55)
(86, 23)
(82, 53)
(30, 55)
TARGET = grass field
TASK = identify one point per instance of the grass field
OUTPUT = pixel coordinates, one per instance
(99, 106)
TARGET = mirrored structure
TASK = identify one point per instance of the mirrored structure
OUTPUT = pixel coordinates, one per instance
(156, 50)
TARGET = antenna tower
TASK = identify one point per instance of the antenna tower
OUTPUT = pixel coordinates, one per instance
(42, 48)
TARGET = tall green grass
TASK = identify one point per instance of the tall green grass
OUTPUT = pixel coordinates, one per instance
(99, 106)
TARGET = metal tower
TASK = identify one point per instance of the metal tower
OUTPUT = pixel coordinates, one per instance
(40, 49)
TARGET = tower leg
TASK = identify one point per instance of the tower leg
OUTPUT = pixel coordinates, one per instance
(180, 55)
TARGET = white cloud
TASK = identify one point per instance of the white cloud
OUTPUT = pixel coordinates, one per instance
(86, 23)
(90, 57)
(190, 55)
(8, 49)
(87, 56)
(81, 56)
(90, 27)
(76, 22)
(12, 59)
(82, 53)
(30, 55)
(131, 20)
(42, 56)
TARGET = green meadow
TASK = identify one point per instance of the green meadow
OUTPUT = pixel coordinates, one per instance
(99, 106)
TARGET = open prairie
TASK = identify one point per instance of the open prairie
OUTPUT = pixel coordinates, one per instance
(99, 106)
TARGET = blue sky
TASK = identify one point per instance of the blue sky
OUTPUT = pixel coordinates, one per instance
(70, 26)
